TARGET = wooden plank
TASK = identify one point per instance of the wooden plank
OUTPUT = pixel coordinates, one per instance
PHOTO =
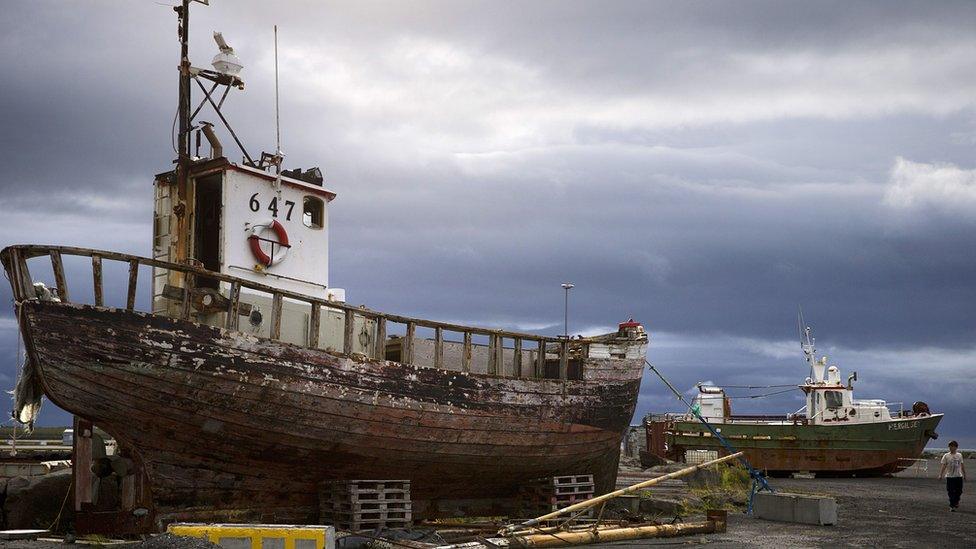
(517, 359)
(438, 347)
(37, 250)
(23, 284)
(349, 328)
(379, 348)
(407, 354)
(314, 320)
(275, 316)
(564, 359)
(500, 356)
(466, 354)
(128, 493)
(185, 305)
(97, 280)
(540, 360)
(233, 319)
(81, 462)
(492, 355)
(59, 280)
(130, 300)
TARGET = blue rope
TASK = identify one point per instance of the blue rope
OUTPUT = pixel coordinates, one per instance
(758, 480)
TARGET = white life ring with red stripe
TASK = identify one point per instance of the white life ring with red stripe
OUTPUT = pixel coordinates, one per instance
(254, 240)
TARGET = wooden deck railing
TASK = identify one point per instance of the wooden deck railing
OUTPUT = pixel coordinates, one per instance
(15, 261)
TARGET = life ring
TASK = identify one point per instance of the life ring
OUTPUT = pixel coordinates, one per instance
(254, 240)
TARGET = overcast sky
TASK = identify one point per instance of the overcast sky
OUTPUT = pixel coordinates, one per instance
(702, 167)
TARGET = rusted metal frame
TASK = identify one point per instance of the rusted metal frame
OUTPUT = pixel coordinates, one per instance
(349, 328)
(276, 302)
(36, 250)
(204, 101)
(379, 346)
(438, 347)
(223, 96)
(564, 359)
(59, 280)
(406, 355)
(314, 319)
(97, 281)
(540, 360)
(233, 306)
(466, 353)
(130, 298)
(226, 124)
(517, 359)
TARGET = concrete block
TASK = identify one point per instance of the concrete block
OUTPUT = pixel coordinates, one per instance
(772, 506)
(800, 508)
(820, 510)
(628, 503)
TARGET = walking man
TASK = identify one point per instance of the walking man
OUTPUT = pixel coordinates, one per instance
(954, 472)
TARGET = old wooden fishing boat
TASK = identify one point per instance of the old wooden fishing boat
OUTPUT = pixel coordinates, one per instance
(833, 434)
(246, 380)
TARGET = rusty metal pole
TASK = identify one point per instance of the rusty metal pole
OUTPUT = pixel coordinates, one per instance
(181, 250)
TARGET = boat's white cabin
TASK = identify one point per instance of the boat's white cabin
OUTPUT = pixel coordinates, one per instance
(830, 401)
(712, 403)
(249, 223)
(245, 222)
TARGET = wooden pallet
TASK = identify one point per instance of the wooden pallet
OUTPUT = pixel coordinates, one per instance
(366, 504)
(545, 495)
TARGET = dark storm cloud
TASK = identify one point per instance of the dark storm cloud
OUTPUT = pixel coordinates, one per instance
(702, 167)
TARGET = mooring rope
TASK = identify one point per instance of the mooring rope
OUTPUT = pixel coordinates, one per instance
(757, 478)
(61, 510)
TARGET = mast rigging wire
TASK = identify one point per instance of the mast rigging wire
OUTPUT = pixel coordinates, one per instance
(757, 386)
(793, 387)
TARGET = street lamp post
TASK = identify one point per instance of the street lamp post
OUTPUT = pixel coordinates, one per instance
(566, 286)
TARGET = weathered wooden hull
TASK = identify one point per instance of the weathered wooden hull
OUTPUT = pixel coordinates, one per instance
(233, 427)
(859, 448)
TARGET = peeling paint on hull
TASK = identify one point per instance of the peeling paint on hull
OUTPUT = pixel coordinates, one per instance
(234, 427)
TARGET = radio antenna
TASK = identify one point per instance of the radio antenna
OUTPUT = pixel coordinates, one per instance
(277, 112)
(279, 156)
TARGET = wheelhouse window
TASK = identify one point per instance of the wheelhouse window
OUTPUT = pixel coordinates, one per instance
(313, 212)
(833, 399)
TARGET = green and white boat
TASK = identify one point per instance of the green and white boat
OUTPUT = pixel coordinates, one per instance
(833, 434)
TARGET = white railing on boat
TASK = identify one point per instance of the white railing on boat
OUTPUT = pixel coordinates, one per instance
(564, 351)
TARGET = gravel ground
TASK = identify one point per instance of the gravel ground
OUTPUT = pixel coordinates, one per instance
(872, 512)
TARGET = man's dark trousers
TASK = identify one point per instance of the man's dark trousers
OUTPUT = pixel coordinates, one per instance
(954, 487)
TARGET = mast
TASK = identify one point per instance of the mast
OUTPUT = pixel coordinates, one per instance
(183, 195)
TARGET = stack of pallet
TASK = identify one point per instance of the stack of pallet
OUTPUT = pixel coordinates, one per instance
(548, 494)
(355, 505)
